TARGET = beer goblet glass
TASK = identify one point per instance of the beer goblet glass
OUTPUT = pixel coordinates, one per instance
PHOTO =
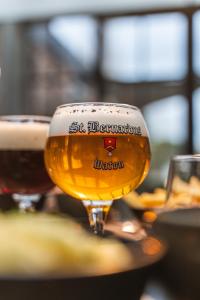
(97, 152)
(22, 169)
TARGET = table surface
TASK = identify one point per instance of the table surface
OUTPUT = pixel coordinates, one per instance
(156, 288)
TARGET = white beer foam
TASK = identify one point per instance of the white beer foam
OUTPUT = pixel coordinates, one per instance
(109, 114)
(23, 136)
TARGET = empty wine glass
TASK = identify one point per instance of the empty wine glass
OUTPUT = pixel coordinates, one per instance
(183, 184)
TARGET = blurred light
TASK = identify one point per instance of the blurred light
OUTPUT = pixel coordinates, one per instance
(151, 246)
(149, 216)
(130, 227)
(147, 297)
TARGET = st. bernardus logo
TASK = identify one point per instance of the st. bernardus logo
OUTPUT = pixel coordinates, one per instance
(110, 144)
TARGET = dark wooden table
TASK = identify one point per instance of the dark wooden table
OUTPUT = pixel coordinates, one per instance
(157, 287)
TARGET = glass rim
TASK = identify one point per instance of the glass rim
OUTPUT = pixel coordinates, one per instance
(98, 103)
(186, 158)
(25, 118)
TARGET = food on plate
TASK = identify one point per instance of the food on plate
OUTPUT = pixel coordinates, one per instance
(146, 200)
(192, 188)
(184, 194)
(47, 245)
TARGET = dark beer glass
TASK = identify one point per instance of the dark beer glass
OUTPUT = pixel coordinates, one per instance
(22, 169)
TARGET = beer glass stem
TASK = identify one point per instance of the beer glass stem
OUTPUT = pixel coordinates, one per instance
(25, 202)
(97, 212)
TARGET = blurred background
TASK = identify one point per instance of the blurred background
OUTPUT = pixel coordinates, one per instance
(144, 53)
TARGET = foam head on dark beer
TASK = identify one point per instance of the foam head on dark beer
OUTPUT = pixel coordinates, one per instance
(23, 136)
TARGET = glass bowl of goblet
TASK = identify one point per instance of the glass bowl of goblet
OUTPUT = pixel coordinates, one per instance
(97, 152)
(22, 169)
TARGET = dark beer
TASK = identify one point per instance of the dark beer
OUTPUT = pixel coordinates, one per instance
(23, 172)
(22, 168)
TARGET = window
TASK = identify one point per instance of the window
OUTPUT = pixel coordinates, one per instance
(167, 123)
(196, 58)
(148, 48)
(196, 104)
(78, 35)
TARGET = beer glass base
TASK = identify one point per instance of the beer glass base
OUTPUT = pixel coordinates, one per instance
(97, 212)
(25, 202)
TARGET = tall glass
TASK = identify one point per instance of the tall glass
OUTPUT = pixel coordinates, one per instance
(22, 169)
(97, 152)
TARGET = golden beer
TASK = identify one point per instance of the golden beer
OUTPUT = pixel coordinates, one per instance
(81, 166)
(97, 152)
